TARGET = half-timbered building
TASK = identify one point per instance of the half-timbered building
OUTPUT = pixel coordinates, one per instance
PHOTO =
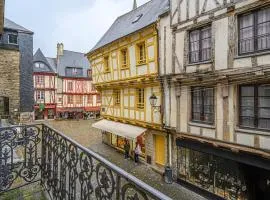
(214, 66)
(76, 95)
(125, 71)
(45, 86)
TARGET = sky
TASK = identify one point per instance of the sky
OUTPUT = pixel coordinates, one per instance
(78, 24)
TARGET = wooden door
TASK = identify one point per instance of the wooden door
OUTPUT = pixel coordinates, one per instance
(160, 149)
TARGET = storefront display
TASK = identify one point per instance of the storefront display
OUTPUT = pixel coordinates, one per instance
(214, 174)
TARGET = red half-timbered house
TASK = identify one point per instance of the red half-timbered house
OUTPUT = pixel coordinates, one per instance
(45, 86)
(76, 94)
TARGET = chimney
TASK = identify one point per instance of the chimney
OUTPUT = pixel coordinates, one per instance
(60, 50)
(134, 5)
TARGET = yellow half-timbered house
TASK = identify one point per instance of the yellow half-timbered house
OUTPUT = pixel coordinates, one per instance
(125, 71)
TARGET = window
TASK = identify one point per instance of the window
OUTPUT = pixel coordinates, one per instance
(200, 45)
(40, 80)
(74, 72)
(89, 73)
(254, 31)
(39, 65)
(70, 86)
(203, 104)
(70, 99)
(90, 99)
(40, 95)
(124, 59)
(98, 99)
(141, 53)
(4, 105)
(12, 39)
(106, 64)
(79, 99)
(255, 106)
(140, 98)
(117, 97)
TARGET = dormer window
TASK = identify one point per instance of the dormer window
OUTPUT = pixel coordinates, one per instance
(13, 39)
(39, 65)
(137, 18)
(73, 71)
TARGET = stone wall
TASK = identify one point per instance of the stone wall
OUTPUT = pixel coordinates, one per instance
(10, 77)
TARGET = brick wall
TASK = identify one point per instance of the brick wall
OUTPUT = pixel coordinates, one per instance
(10, 77)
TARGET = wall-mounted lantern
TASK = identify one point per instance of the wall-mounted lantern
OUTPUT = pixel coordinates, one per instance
(153, 101)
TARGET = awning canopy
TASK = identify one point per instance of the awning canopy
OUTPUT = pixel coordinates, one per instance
(117, 128)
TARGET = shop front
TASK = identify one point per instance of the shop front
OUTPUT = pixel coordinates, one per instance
(221, 173)
(115, 134)
(45, 111)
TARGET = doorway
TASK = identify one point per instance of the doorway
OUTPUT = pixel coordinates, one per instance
(4, 106)
(160, 149)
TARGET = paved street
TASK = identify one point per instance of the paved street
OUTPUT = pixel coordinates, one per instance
(82, 132)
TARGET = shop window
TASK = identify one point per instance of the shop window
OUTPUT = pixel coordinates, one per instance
(141, 53)
(4, 106)
(106, 64)
(140, 98)
(254, 31)
(200, 45)
(254, 106)
(124, 59)
(117, 97)
(203, 105)
(214, 174)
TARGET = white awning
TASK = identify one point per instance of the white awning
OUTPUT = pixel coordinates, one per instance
(117, 128)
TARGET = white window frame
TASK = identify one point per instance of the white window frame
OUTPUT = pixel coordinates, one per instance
(9, 38)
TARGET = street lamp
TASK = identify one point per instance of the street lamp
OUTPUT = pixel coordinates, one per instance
(153, 101)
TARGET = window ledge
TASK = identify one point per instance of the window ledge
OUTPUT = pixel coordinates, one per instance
(252, 131)
(202, 125)
(252, 54)
(200, 63)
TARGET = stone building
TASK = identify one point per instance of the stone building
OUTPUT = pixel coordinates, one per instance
(214, 67)
(125, 71)
(44, 78)
(16, 57)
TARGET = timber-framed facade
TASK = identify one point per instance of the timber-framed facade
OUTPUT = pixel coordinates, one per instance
(215, 58)
(125, 72)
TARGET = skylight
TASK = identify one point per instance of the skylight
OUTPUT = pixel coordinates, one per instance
(137, 18)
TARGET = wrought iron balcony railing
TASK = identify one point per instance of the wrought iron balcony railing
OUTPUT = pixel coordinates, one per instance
(64, 168)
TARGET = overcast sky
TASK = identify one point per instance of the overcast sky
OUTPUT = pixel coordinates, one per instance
(79, 24)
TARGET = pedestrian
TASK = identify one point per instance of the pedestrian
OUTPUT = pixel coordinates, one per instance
(126, 148)
(137, 152)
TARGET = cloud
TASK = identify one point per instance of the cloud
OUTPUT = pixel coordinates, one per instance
(79, 24)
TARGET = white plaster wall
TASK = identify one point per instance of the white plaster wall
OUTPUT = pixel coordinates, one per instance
(221, 43)
(184, 106)
(245, 139)
(179, 51)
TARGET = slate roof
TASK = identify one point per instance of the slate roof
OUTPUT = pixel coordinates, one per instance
(72, 59)
(124, 25)
(39, 57)
(8, 24)
(52, 62)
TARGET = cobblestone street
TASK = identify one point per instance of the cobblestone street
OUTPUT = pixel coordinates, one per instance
(82, 132)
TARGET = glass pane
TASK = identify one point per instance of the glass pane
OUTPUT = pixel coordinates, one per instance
(264, 113)
(264, 102)
(264, 15)
(247, 111)
(247, 33)
(247, 101)
(247, 121)
(264, 90)
(264, 124)
(247, 91)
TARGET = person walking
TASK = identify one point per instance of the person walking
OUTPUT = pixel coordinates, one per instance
(127, 149)
(137, 152)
